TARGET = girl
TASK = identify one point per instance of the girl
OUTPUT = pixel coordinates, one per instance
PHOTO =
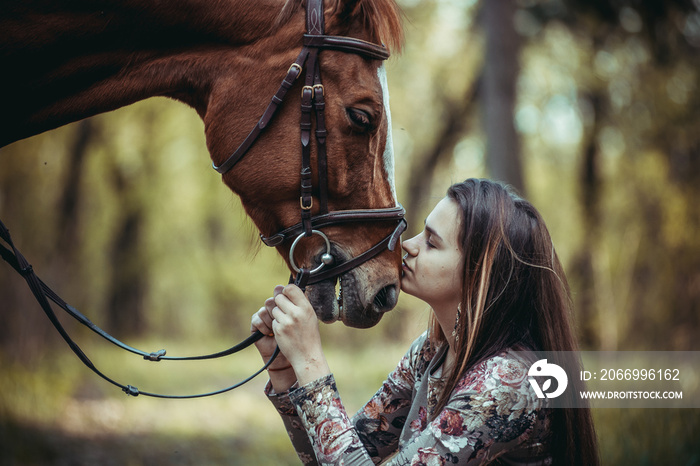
(486, 265)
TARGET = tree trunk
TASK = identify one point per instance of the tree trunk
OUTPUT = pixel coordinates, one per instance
(584, 268)
(501, 68)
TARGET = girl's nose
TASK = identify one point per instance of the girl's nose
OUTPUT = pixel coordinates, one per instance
(410, 246)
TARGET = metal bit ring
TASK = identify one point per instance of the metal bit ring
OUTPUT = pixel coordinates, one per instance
(326, 258)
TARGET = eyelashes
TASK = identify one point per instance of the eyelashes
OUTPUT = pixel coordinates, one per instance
(360, 119)
(428, 243)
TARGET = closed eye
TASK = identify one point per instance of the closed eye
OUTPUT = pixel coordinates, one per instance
(432, 238)
(360, 119)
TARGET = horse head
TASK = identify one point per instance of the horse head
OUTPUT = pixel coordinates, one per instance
(358, 145)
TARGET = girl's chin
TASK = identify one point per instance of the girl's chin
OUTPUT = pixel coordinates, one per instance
(406, 287)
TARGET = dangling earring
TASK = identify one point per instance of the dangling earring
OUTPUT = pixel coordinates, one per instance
(455, 335)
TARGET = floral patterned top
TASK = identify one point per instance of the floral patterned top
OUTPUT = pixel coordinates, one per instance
(492, 413)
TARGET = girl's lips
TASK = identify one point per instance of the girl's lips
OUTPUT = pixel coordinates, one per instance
(405, 267)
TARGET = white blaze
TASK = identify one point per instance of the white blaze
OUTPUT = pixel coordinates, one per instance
(389, 147)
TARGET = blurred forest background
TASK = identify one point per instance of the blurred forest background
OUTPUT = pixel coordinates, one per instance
(590, 108)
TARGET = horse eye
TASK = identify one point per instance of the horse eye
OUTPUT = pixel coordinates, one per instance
(360, 118)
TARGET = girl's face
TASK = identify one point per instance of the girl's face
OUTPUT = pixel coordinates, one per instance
(432, 265)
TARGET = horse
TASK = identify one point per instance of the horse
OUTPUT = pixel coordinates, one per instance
(66, 61)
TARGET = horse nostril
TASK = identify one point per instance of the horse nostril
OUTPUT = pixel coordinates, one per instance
(386, 298)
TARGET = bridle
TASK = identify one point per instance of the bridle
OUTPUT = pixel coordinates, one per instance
(312, 100)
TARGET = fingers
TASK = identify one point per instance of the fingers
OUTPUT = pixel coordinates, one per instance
(267, 320)
(290, 298)
(295, 294)
(270, 302)
(286, 300)
(263, 318)
(291, 308)
(261, 321)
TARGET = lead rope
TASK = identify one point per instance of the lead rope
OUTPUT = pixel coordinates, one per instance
(43, 293)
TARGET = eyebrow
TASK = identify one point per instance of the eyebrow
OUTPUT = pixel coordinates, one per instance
(432, 232)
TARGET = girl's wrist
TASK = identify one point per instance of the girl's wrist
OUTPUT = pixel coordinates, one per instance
(282, 378)
(311, 369)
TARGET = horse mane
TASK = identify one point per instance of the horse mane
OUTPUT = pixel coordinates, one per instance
(381, 18)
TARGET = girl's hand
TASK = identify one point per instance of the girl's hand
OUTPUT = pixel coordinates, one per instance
(295, 327)
(262, 321)
(281, 373)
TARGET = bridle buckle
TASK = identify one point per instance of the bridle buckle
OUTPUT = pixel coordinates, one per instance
(307, 88)
(305, 207)
(294, 65)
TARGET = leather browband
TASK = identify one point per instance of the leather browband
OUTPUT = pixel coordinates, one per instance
(347, 44)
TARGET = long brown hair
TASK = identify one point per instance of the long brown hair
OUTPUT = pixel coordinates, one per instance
(514, 295)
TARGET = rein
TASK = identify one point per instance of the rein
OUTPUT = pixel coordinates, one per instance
(312, 100)
(43, 294)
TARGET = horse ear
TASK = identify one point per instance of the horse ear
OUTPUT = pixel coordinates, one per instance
(342, 14)
(349, 9)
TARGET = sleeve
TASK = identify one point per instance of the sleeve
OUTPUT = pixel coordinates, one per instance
(491, 412)
(319, 427)
(373, 433)
(380, 422)
(290, 418)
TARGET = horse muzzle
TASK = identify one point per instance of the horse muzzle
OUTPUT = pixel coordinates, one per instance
(359, 298)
